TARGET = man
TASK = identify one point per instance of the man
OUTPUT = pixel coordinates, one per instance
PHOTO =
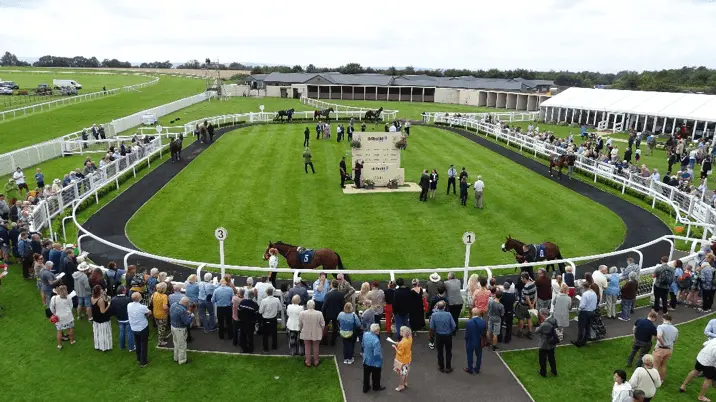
(442, 327)
(19, 178)
(343, 171)
(372, 359)
(544, 290)
(474, 330)
(176, 295)
(547, 334)
(248, 314)
(362, 127)
(643, 332)
(306, 136)
(631, 267)
(424, 185)
(48, 281)
(222, 299)
(463, 173)
(452, 288)
(320, 288)
(180, 319)
(479, 188)
(139, 324)
(600, 278)
(666, 336)
(24, 249)
(402, 304)
(495, 312)
(345, 287)
(508, 300)
(4, 208)
(432, 285)
(638, 395)
(261, 288)
(69, 268)
(452, 173)
(705, 363)
(299, 290)
(307, 159)
(663, 276)
(119, 306)
(710, 330)
(332, 306)
(707, 287)
(269, 310)
(377, 300)
(319, 128)
(527, 302)
(587, 305)
(368, 316)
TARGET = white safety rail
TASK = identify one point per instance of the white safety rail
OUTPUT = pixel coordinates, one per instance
(52, 206)
(358, 112)
(431, 117)
(46, 106)
(689, 209)
(102, 146)
(38, 153)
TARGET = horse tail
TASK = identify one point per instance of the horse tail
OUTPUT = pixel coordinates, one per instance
(340, 262)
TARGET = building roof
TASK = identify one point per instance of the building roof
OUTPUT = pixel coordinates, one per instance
(662, 104)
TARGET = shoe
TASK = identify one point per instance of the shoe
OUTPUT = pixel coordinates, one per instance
(132, 350)
(345, 361)
(541, 374)
(59, 347)
(365, 390)
(529, 335)
(448, 370)
(73, 342)
(442, 370)
(622, 318)
(431, 345)
(495, 348)
(554, 374)
(350, 361)
(467, 370)
(89, 319)
(381, 388)
(144, 365)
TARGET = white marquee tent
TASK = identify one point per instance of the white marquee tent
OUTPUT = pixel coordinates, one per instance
(619, 110)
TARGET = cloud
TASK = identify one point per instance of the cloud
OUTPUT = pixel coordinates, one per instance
(603, 35)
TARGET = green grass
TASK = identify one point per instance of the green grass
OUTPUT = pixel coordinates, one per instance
(259, 192)
(54, 168)
(49, 125)
(587, 373)
(27, 346)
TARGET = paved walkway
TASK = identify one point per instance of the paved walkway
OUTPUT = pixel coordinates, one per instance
(642, 226)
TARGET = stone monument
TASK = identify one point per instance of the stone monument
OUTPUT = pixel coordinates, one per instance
(380, 156)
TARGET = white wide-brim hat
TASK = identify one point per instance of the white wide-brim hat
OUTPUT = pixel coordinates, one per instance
(434, 277)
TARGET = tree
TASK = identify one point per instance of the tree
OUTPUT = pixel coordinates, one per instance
(311, 69)
(256, 70)
(351, 68)
(296, 69)
(8, 59)
(409, 70)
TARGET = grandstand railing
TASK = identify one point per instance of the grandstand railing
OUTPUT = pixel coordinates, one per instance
(690, 210)
(429, 117)
(39, 107)
(51, 206)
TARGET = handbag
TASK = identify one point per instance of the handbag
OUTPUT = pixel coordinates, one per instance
(397, 366)
(484, 342)
(652, 378)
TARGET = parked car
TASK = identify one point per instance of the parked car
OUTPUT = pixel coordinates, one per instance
(9, 84)
(5, 91)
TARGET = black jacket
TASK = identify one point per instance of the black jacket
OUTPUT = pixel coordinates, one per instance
(332, 304)
(306, 132)
(508, 300)
(248, 311)
(119, 307)
(424, 181)
(70, 267)
(402, 301)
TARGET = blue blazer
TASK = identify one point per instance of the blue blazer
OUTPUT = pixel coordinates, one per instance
(474, 328)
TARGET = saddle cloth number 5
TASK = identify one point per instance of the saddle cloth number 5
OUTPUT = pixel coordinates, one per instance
(305, 258)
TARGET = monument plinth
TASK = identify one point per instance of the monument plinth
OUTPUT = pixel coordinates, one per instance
(380, 157)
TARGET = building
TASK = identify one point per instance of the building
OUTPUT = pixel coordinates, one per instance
(516, 94)
(621, 110)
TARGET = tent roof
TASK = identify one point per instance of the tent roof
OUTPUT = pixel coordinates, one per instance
(662, 104)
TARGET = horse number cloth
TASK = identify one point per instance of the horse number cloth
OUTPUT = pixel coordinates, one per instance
(540, 250)
(306, 256)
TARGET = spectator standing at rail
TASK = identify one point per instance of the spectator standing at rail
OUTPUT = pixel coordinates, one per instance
(455, 301)
(475, 329)
(180, 318)
(332, 306)
(526, 303)
(377, 300)
(222, 298)
(707, 287)
(138, 314)
(663, 276)
(269, 310)
(320, 288)
(401, 304)
(587, 306)
(442, 327)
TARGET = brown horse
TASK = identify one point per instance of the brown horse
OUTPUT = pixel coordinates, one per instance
(323, 113)
(324, 257)
(559, 161)
(539, 252)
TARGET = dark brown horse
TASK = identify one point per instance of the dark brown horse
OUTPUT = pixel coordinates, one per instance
(324, 257)
(560, 162)
(539, 252)
(373, 115)
(323, 113)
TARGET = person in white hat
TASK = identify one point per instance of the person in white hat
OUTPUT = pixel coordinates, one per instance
(432, 286)
(83, 290)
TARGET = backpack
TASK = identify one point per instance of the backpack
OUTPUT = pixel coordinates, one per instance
(113, 282)
(137, 281)
(553, 338)
(665, 277)
(684, 282)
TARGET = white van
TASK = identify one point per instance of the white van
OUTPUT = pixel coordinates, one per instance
(66, 83)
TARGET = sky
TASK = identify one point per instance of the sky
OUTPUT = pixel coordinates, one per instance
(595, 35)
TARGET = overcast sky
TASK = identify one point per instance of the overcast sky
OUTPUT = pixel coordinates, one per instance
(601, 35)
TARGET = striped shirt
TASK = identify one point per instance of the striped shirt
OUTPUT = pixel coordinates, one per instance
(528, 292)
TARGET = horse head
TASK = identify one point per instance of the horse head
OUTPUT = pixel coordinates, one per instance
(511, 244)
(266, 253)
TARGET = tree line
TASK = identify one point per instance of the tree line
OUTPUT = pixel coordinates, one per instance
(693, 79)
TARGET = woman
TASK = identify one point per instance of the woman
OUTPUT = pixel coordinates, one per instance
(481, 296)
(311, 323)
(646, 378)
(37, 265)
(363, 295)
(101, 324)
(191, 289)
(403, 357)
(160, 312)
(621, 391)
(463, 191)
(114, 278)
(612, 292)
(473, 283)
(433, 183)
(61, 307)
(273, 264)
(674, 286)
(97, 278)
(418, 307)
(348, 325)
(628, 292)
(561, 306)
(293, 325)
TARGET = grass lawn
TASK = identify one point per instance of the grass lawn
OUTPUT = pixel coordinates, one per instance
(39, 127)
(27, 346)
(272, 199)
(586, 374)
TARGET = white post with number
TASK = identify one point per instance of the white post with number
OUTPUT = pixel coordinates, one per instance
(469, 239)
(221, 234)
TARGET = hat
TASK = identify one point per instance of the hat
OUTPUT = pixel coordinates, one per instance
(80, 259)
(68, 245)
(83, 267)
(713, 238)
(434, 277)
(507, 285)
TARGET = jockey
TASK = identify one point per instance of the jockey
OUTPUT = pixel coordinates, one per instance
(300, 249)
(529, 252)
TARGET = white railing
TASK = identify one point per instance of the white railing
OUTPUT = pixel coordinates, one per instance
(358, 112)
(38, 153)
(500, 116)
(78, 190)
(689, 209)
(46, 106)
